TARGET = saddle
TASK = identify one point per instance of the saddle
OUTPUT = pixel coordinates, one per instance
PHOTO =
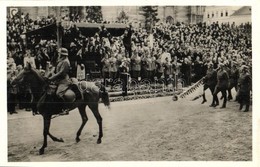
(71, 93)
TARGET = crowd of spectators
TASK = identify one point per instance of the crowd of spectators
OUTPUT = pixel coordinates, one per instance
(168, 50)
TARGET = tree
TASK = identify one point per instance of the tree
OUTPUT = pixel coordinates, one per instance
(94, 13)
(150, 13)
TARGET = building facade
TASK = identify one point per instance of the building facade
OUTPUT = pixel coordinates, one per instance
(227, 14)
(172, 14)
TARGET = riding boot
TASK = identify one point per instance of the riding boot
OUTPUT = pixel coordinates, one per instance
(204, 98)
(65, 109)
(223, 105)
(247, 108)
(212, 104)
(224, 102)
(216, 102)
(230, 97)
(240, 107)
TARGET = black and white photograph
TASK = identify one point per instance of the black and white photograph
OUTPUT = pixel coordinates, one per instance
(123, 83)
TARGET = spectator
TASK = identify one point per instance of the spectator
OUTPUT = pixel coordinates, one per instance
(28, 59)
(136, 65)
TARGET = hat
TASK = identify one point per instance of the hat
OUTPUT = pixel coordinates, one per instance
(221, 65)
(244, 67)
(235, 63)
(210, 64)
(72, 44)
(63, 51)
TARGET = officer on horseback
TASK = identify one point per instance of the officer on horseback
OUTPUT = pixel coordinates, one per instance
(61, 78)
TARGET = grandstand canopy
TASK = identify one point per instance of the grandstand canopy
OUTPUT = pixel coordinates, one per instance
(89, 29)
(46, 32)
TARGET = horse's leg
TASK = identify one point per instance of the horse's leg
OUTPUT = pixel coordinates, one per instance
(55, 138)
(94, 109)
(46, 127)
(84, 117)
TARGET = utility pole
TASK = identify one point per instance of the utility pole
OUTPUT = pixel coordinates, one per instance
(58, 24)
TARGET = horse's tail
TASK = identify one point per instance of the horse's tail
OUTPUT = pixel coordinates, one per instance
(104, 96)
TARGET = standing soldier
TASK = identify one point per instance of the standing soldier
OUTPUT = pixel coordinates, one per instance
(244, 88)
(167, 70)
(222, 86)
(210, 81)
(159, 67)
(234, 75)
(136, 65)
(148, 62)
(105, 70)
(113, 67)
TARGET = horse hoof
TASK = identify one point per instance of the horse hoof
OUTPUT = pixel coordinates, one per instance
(99, 141)
(77, 140)
(41, 151)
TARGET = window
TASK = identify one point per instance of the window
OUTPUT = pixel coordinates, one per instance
(226, 13)
(208, 15)
(221, 14)
(212, 15)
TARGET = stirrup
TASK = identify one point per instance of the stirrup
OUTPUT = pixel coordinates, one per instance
(64, 112)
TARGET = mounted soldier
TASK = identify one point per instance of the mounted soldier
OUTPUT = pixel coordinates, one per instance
(61, 78)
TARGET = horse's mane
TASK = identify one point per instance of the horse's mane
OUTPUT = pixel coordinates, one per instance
(26, 73)
(37, 74)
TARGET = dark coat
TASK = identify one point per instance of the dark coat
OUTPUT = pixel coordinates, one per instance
(211, 78)
(223, 79)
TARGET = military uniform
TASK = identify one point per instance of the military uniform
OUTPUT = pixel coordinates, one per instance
(244, 88)
(136, 66)
(222, 86)
(113, 67)
(61, 76)
(233, 79)
(210, 82)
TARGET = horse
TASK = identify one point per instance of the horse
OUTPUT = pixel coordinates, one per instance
(47, 105)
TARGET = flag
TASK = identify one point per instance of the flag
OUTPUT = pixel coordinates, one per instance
(13, 11)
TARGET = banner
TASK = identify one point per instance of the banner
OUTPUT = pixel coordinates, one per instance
(13, 12)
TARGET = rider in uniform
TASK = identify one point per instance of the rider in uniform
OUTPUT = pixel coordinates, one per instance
(61, 78)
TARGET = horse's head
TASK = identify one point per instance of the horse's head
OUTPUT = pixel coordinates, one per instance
(29, 75)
